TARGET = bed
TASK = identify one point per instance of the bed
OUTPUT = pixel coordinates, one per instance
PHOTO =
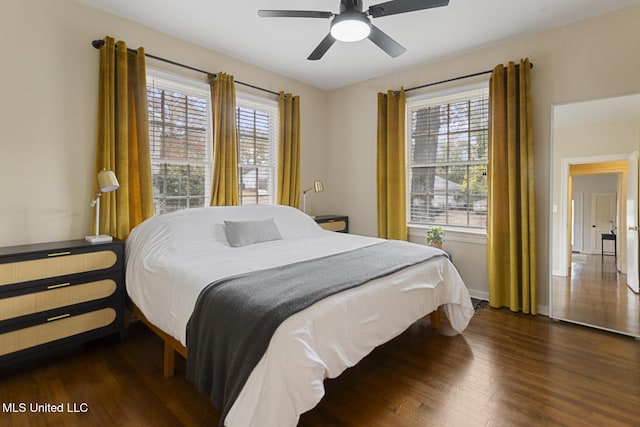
(174, 260)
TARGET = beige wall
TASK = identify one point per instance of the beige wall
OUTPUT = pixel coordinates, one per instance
(48, 87)
(592, 59)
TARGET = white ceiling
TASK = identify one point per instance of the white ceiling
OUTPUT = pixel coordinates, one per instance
(283, 44)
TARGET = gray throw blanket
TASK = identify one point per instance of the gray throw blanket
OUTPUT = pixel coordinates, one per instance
(234, 318)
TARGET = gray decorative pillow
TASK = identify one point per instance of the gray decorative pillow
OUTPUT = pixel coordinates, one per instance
(242, 233)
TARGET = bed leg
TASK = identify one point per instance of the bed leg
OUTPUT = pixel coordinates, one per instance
(169, 360)
(435, 318)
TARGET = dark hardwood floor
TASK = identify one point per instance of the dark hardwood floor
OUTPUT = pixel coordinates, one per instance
(506, 369)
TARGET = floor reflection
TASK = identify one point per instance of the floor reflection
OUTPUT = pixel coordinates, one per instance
(597, 294)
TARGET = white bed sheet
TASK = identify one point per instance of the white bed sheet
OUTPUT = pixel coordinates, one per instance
(172, 257)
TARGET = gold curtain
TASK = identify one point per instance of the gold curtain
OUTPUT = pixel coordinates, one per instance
(288, 150)
(123, 138)
(224, 186)
(511, 219)
(391, 174)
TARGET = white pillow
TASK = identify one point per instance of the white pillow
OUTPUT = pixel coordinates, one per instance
(242, 233)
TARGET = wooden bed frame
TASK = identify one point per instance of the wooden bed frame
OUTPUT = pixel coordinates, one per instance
(172, 345)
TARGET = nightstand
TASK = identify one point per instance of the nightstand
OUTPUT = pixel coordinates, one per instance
(59, 293)
(339, 223)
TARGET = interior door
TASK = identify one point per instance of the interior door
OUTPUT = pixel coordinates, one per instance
(632, 223)
(603, 213)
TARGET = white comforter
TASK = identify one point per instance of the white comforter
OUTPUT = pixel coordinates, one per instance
(172, 257)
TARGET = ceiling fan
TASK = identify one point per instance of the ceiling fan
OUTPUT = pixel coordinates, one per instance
(353, 24)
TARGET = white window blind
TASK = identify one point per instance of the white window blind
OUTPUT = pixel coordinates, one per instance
(257, 150)
(447, 145)
(180, 143)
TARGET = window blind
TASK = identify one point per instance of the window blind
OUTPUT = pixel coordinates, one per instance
(179, 129)
(257, 155)
(448, 139)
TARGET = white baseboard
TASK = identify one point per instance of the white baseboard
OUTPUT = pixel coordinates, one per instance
(479, 294)
(542, 309)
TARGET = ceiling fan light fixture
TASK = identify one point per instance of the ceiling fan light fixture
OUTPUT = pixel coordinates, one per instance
(350, 27)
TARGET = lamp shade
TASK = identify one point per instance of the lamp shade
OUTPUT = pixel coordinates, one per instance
(350, 26)
(318, 186)
(107, 181)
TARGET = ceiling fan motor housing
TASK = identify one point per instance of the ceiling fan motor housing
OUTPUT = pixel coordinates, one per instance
(350, 5)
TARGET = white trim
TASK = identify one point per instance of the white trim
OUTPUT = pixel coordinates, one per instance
(180, 83)
(270, 107)
(484, 296)
(565, 164)
(454, 234)
(578, 222)
(252, 99)
(446, 93)
(447, 96)
(590, 325)
(190, 87)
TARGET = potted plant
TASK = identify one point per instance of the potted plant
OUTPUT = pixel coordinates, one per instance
(435, 236)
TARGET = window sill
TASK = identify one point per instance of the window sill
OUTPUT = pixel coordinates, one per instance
(453, 234)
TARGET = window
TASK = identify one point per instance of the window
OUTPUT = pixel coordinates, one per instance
(447, 144)
(179, 135)
(257, 150)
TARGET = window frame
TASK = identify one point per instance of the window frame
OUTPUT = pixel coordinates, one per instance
(254, 102)
(188, 87)
(458, 232)
(201, 89)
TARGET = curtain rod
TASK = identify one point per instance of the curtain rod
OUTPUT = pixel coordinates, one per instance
(99, 43)
(457, 78)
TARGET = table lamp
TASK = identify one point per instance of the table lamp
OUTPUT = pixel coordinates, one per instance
(317, 188)
(107, 182)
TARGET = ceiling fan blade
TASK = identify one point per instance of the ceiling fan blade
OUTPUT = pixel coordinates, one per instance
(322, 48)
(402, 6)
(386, 43)
(294, 14)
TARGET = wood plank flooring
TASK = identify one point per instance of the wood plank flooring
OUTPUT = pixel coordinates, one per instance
(597, 294)
(506, 369)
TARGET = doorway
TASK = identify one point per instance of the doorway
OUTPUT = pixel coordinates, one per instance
(603, 184)
(585, 134)
(595, 284)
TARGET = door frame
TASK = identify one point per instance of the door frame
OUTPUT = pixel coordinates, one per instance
(630, 230)
(612, 163)
(578, 222)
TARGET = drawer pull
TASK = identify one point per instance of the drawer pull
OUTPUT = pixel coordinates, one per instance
(58, 254)
(59, 285)
(62, 316)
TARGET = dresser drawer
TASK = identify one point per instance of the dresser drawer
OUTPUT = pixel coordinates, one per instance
(47, 265)
(334, 225)
(337, 223)
(57, 328)
(55, 296)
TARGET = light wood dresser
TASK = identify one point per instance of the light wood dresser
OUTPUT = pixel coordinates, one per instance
(57, 294)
